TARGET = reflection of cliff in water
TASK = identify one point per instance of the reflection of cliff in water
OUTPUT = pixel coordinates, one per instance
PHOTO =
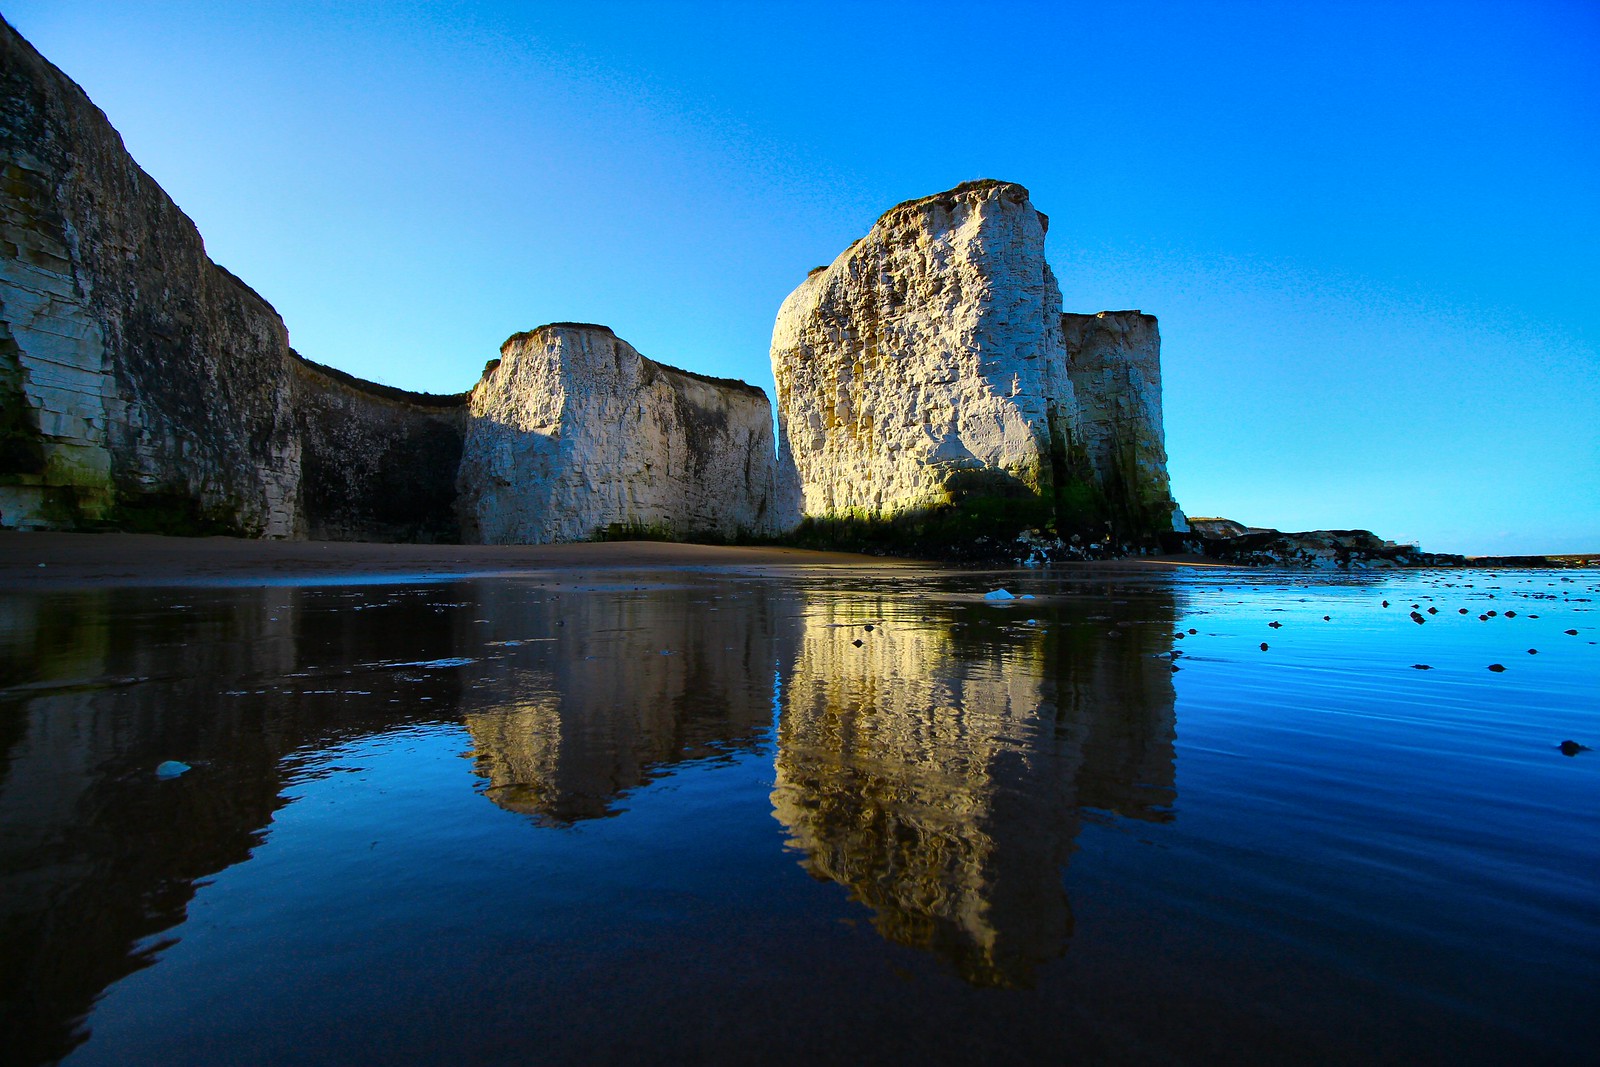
(98, 858)
(938, 770)
(623, 686)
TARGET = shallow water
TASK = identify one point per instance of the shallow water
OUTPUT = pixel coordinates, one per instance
(721, 820)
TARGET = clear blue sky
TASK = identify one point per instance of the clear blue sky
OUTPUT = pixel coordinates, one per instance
(1371, 231)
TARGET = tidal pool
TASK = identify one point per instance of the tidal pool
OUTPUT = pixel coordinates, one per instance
(709, 817)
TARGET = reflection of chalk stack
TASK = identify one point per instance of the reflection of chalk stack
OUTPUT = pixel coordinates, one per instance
(938, 770)
(616, 691)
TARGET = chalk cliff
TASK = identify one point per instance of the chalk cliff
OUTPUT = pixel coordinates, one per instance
(144, 387)
(925, 372)
(573, 433)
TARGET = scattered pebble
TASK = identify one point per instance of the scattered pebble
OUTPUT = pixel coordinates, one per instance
(1510, 614)
(1498, 668)
(1327, 618)
(1418, 617)
(999, 594)
(1263, 646)
(171, 768)
(1275, 625)
(868, 627)
(1572, 748)
(856, 642)
(1385, 603)
(1421, 667)
(1193, 630)
(1462, 610)
(1433, 611)
(1533, 651)
(1570, 633)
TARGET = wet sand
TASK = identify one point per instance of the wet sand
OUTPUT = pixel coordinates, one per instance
(64, 560)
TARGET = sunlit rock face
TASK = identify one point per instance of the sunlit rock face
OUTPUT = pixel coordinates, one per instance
(573, 434)
(1114, 361)
(925, 361)
(938, 769)
(926, 367)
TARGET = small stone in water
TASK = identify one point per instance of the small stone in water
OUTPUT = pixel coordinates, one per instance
(1498, 668)
(1421, 667)
(1570, 633)
(1533, 651)
(1263, 646)
(1572, 748)
(171, 768)
(856, 642)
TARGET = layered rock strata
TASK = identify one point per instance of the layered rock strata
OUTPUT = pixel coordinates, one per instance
(146, 388)
(573, 434)
(927, 370)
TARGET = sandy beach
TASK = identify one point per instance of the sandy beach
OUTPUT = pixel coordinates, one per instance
(65, 560)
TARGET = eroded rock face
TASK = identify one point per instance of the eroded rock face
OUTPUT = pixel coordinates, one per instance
(574, 434)
(146, 388)
(376, 464)
(925, 362)
(927, 369)
(144, 385)
(1114, 361)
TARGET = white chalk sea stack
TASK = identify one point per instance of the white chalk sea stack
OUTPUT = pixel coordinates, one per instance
(926, 369)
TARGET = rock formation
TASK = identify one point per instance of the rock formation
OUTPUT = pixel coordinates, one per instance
(1114, 361)
(574, 433)
(927, 371)
(144, 387)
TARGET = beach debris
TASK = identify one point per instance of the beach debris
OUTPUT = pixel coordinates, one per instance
(171, 768)
(1572, 748)
(999, 594)
(1498, 668)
